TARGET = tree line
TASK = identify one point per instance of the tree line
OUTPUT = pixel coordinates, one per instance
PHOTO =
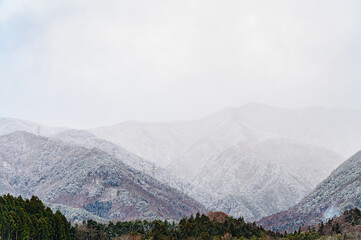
(200, 227)
(30, 219)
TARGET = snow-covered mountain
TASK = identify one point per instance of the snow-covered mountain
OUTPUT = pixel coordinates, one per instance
(238, 182)
(340, 191)
(179, 145)
(89, 140)
(299, 145)
(291, 150)
(239, 172)
(84, 178)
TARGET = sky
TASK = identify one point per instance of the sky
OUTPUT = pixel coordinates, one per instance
(91, 63)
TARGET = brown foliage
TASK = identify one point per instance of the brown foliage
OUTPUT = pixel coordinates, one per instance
(217, 216)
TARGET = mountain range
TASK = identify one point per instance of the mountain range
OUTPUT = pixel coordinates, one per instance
(252, 161)
(302, 145)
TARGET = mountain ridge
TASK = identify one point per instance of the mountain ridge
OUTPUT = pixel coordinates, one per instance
(338, 192)
(91, 179)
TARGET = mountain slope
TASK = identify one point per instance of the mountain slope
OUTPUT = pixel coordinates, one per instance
(311, 162)
(91, 179)
(88, 140)
(207, 148)
(240, 173)
(340, 191)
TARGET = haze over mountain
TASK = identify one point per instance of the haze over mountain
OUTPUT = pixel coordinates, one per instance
(138, 109)
(241, 178)
(242, 193)
(89, 140)
(232, 160)
(296, 142)
(340, 191)
(313, 163)
(86, 179)
(251, 161)
(165, 143)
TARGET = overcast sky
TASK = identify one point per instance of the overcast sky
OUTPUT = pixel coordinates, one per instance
(90, 63)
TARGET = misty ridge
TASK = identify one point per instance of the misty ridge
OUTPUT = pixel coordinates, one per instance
(180, 120)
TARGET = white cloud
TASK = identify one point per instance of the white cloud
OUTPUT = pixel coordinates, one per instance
(161, 60)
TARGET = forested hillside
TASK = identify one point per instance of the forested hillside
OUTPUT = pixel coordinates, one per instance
(30, 219)
(219, 226)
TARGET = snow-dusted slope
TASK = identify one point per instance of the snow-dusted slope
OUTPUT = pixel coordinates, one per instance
(242, 173)
(89, 140)
(213, 142)
(310, 162)
(76, 215)
(78, 177)
(340, 191)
